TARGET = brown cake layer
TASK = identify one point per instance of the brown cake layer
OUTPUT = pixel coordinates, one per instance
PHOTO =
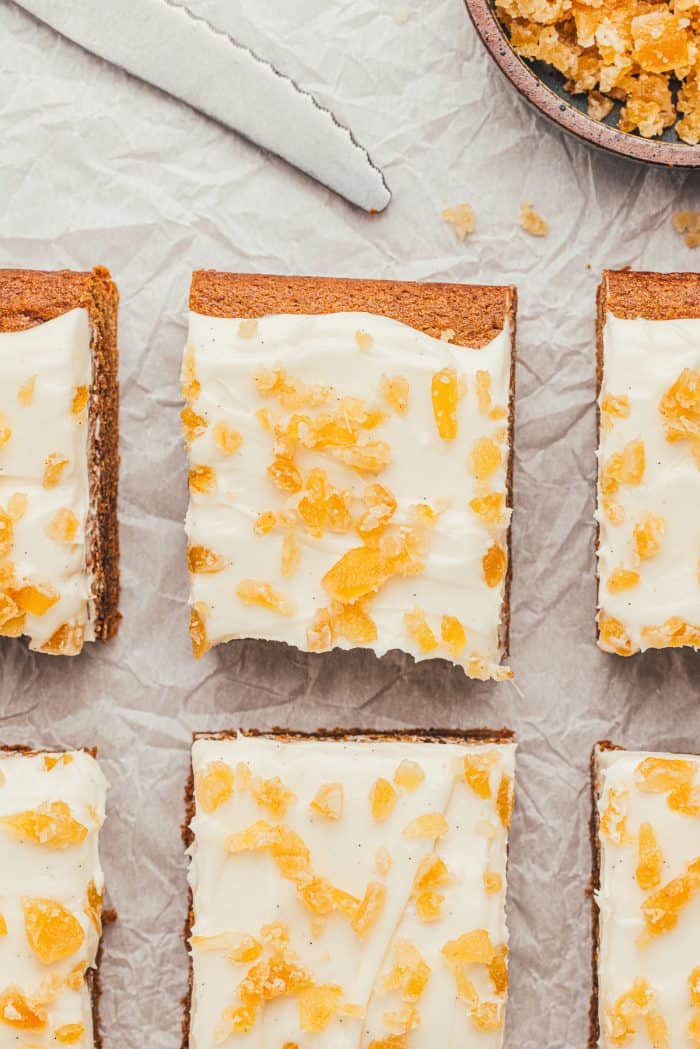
(476, 313)
(29, 298)
(432, 735)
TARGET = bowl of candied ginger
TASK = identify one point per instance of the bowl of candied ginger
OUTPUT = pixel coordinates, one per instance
(621, 74)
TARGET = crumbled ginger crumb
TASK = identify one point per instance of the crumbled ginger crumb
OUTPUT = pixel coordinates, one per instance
(531, 221)
(688, 223)
(461, 218)
(599, 105)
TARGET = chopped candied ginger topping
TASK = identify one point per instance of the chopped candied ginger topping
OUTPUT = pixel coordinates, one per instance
(485, 458)
(201, 560)
(381, 507)
(51, 825)
(531, 221)
(93, 906)
(476, 769)
(483, 391)
(649, 859)
(474, 948)
(623, 1017)
(432, 873)
(614, 636)
(67, 640)
(18, 1011)
(3, 925)
(504, 800)
(271, 794)
(35, 599)
(351, 622)
(461, 218)
(359, 572)
(382, 799)
(408, 775)
(69, 1034)
(613, 818)
(494, 565)
(673, 777)
(53, 469)
(328, 801)
(63, 526)
(648, 535)
(318, 1004)
(202, 479)
(418, 629)
(214, 785)
(622, 579)
(285, 475)
(694, 986)
(80, 400)
(226, 438)
(281, 975)
(403, 1020)
(240, 949)
(323, 507)
(291, 555)
(255, 592)
(429, 825)
(445, 394)
(52, 931)
(489, 507)
(493, 882)
(364, 340)
(193, 425)
(6, 533)
(409, 973)
(25, 394)
(613, 407)
(290, 392)
(198, 629)
(680, 410)
(624, 467)
(662, 909)
(189, 384)
(395, 391)
(674, 633)
(453, 635)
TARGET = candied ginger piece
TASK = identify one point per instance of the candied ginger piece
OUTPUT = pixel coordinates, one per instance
(498, 969)
(461, 218)
(418, 629)
(661, 910)
(531, 221)
(54, 466)
(445, 396)
(265, 522)
(255, 592)
(51, 825)
(189, 384)
(202, 560)
(408, 775)
(202, 479)
(494, 565)
(214, 785)
(476, 769)
(317, 1004)
(381, 507)
(328, 801)
(614, 636)
(364, 340)
(35, 600)
(453, 635)
(661, 41)
(193, 425)
(272, 795)
(93, 906)
(490, 507)
(694, 985)
(353, 623)
(474, 947)
(673, 633)
(685, 799)
(655, 775)
(63, 526)
(359, 572)
(657, 1031)
(429, 825)
(285, 475)
(6, 533)
(622, 579)
(382, 799)
(487, 1016)
(8, 609)
(25, 394)
(648, 535)
(80, 399)
(226, 438)
(291, 555)
(429, 905)
(613, 818)
(680, 410)
(16, 1010)
(395, 391)
(613, 407)
(624, 1015)
(493, 882)
(483, 391)
(370, 458)
(198, 629)
(52, 931)
(649, 104)
(504, 800)
(69, 1034)
(369, 909)
(485, 458)
(5, 430)
(67, 640)
(649, 859)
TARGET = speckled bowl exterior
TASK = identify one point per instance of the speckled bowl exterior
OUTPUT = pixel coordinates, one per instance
(548, 96)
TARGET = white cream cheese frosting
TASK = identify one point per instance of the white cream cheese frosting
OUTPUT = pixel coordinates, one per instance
(649, 485)
(649, 899)
(417, 830)
(45, 586)
(52, 806)
(245, 381)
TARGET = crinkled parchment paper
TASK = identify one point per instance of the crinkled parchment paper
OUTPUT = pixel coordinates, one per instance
(97, 167)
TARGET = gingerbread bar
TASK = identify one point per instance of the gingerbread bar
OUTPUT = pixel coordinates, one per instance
(349, 889)
(52, 806)
(648, 461)
(59, 458)
(350, 447)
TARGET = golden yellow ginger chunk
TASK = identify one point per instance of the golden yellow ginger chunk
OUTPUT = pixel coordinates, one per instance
(6, 533)
(36, 600)
(63, 526)
(323, 506)
(461, 218)
(625, 467)
(444, 390)
(364, 340)
(649, 859)
(328, 801)
(370, 909)
(285, 475)
(193, 425)
(498, 970)
(198, 630)
(52, 931)
(202, 479)
(359, 572)
(623, 1017)
(353, 623)
(429, 905)
(66, 640)
(16, 1010)
(80, 400)
(409, 972)
(395, 391)
(271, 794)
(256, 592)
(3, 925)
(504, 800)
(381, 507)
(290, 392)
(493, 882)
(657, 1031)
(8, 609)
(488, 1016)
(432, 873)
(490, 507)
(680, 410)
(239, 949)
(662, 909)
(189, 384)
(408, 775)
(613, 818)
(417, 628)
(476, 769)
(265, 522)
(648, 535)
(429, 825)
(93, 906)
(660, 41)
(51, 825)
(5, 430)
(291, 555)
(403, 1020)
(53, 469)
(226, 438)
(614, 636)
(214, 785)
(694, 986)
(17, 505)
(622, 579)
(202, 560)
(483, 391)
(317, 1005)
(485, 458)
(613, 407)
(674, 633)
(453, 635)
(69, 1034)
(382, 799)
(474, 947)
(371, 457)
(531, 221)
(685, 799)
(656, 775)
(25, 394)
(494, 564)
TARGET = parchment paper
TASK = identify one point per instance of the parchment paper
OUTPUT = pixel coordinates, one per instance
(96, 167)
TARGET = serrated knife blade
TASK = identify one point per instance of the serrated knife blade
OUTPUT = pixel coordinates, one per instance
(165, 44)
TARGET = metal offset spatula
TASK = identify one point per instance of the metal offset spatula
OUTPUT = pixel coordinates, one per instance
(166, 45)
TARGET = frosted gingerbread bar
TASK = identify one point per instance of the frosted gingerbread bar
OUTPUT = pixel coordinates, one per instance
(648, 461)
(350, 448)
(646, 851)
(52, 806)
(59, 458)
(349, 890)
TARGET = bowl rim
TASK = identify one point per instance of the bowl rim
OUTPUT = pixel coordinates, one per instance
(563, 113)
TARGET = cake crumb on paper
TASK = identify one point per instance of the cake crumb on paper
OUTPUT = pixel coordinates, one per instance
(687, 223)
(461, 218)
(531, 221)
